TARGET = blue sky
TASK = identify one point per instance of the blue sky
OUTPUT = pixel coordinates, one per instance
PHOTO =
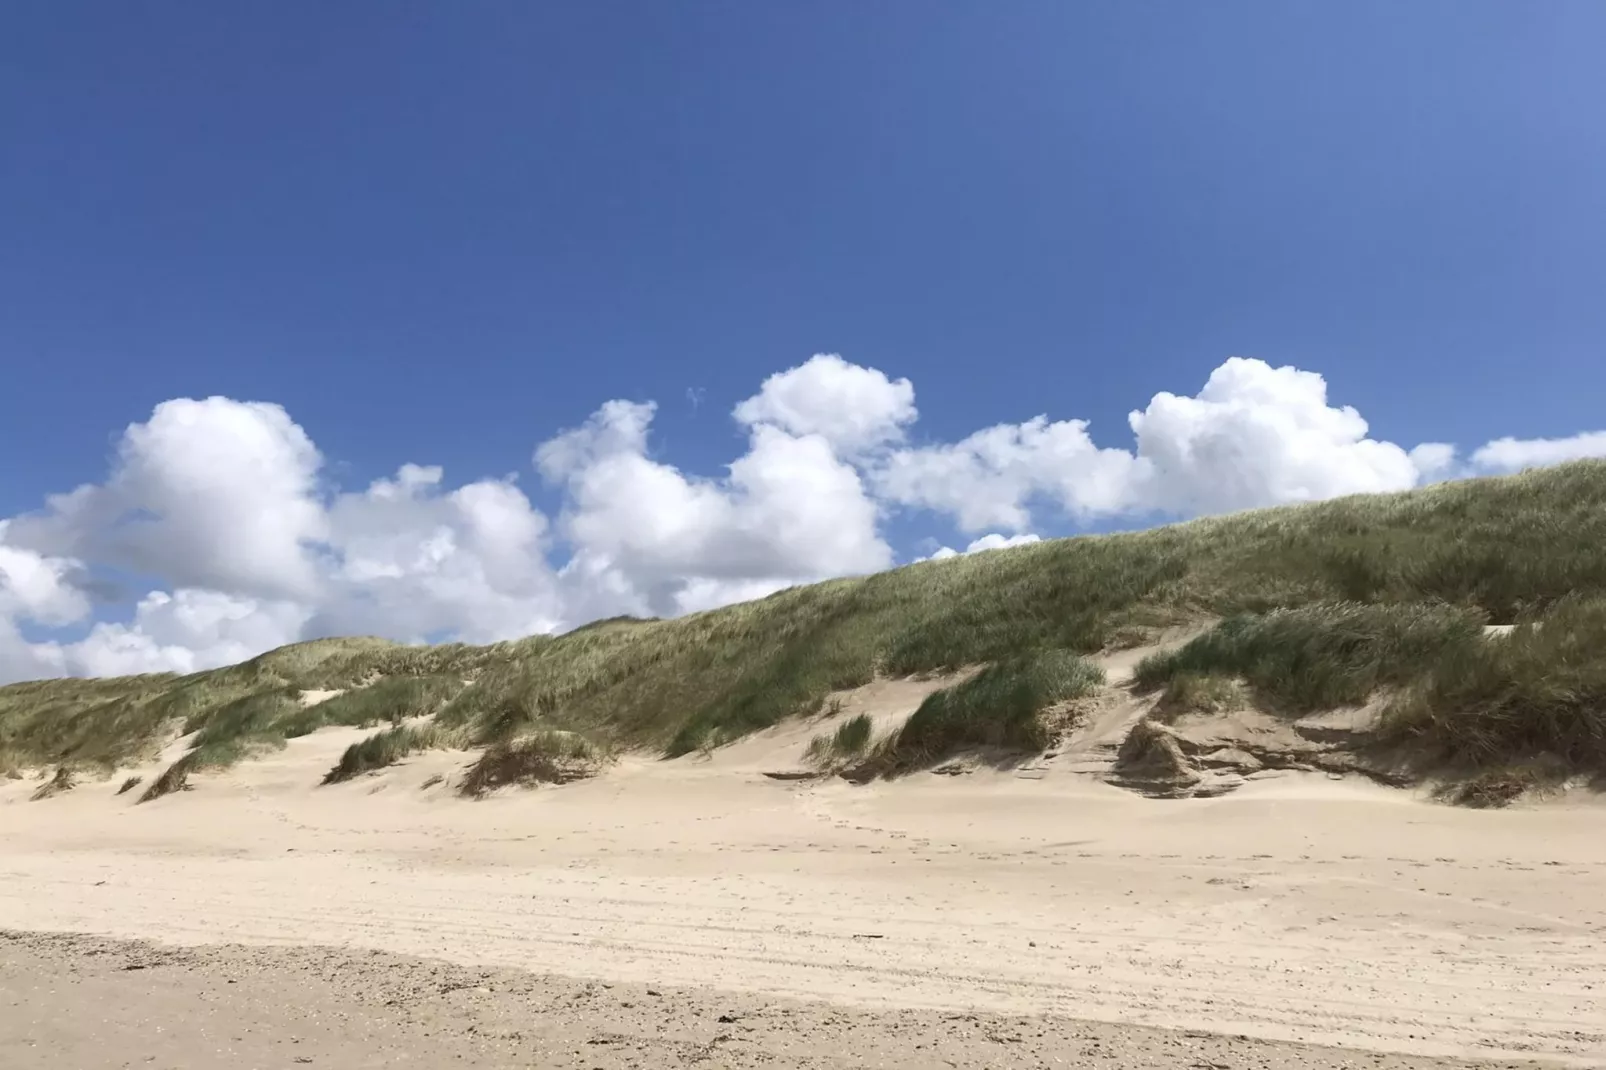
(443, 234)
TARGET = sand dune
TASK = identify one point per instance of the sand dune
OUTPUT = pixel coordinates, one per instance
(1300, 908)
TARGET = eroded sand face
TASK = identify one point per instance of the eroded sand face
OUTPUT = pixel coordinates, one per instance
(1297, 909)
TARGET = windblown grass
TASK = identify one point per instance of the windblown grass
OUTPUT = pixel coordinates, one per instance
(1198, 692)
(1508, 711)
(215, 755)
(1501, 550)
(1539, 691)
(389, 747)
(1320, 656)
(850, 739)
(999, 709)
(393, 698)
(64, 780)
(548, 757)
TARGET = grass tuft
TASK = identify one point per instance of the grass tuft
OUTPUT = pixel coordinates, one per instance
(64, 780)
(999, 708)
(207, 756)
(1198, 692)
(849, 740)
(388, 747)
(1492, 789)
(130, 784)
(548, 757)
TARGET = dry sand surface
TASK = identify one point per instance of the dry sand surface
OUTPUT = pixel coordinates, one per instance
(988, 919)
(90, 1003)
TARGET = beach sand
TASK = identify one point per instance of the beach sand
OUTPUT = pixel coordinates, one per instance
(984, 919)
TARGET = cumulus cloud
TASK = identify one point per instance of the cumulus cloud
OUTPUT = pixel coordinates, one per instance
(1258, 435)
(38, 588)
(213, 493)
(852, 407)
(993, 541)
(220, 500)
(34, 588)
(185, 631)
(224, 508)
(1434, 460)
(1254, 435)
(1515, 454)
(989, 478)
(410, 560)
(789, 511)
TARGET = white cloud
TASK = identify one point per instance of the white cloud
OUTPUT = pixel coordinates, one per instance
(34, 588)
(37, 588)
(185, 631)
(408, 560)
(1434, 460)
(1258, 435)
(1254, 435)
(220, 500)
(1515, 454)
(790, 511)
(988, 479)
(996, 541)
(21, 659)
(993, 541)
(852, 407)
(215, 493)
(223, 505)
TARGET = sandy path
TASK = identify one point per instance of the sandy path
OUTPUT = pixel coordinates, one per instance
(1298, 909)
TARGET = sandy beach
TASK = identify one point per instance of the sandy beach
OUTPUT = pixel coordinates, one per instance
(1300, 910)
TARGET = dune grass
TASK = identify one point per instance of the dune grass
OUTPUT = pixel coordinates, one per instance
(1198, 692)
(545, 757)
(1511, 710)
(1321, 656)
(266, 719)
(849, 740)
(1497, 550)
(1538, 692)
(997, 709)
(392, 698)
(389, 747)
(214, 755)
(64, 780)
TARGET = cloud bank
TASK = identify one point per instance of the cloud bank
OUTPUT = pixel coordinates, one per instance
(222, 512)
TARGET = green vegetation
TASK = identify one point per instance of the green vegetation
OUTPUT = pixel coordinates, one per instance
(1512, 710)
(1198, 692)
(1536, 695)
(217, 754)
(392, 698)
(849, 739)
(389, 747)
(1320, 656)
(1323, 602)
(548, 757)
(999, 708)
